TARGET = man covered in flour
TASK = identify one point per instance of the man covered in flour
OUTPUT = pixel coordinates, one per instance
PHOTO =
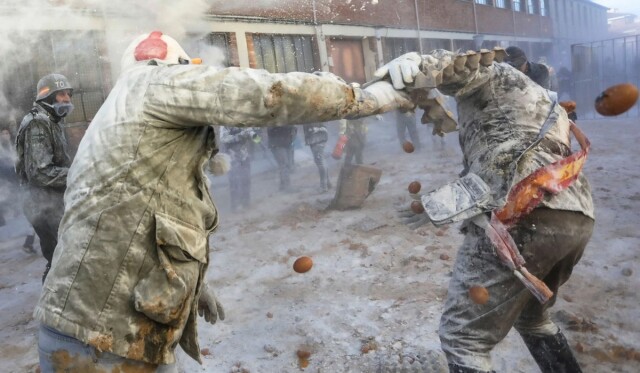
(513, 136)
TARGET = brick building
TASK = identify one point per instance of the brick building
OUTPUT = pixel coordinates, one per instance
(84, 39)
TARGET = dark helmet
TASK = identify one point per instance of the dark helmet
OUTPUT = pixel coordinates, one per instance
(515, 56)
(50, 84)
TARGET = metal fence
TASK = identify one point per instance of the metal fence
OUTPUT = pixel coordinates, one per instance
(599, 65)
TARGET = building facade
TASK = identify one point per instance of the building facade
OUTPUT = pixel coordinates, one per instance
(576, 21)
(350, 38)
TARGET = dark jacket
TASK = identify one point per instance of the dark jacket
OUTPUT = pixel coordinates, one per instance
(539, 73)
(42, 165)
(41, 148)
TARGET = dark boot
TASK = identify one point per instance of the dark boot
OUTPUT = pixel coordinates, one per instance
(325, 183)
(27, 246)
(453, 368)
(552, 353)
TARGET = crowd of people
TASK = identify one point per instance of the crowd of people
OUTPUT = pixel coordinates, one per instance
(243, 144)
(125, 227)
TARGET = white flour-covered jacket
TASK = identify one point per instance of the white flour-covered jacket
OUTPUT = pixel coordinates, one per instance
(133, 245)
(500, 113)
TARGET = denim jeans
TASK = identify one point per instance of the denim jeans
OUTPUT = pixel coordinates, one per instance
(61, 353)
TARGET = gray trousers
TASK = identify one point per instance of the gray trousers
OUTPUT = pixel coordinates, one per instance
(551, 242)
(317, 150)
(408, 126)
(44, 209)
(61, 353)
(355, 148)
(284, 158)
(240, 183)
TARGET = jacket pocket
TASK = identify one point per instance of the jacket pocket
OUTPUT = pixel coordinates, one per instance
(166, 293)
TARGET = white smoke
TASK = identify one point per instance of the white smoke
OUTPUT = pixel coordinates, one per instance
(23, 23)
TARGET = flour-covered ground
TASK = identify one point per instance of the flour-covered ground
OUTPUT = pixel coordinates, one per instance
(372, 301)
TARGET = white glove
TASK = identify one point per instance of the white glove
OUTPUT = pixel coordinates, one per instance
(388, 98)
(401, 70)
(208, 305)
(220, 164)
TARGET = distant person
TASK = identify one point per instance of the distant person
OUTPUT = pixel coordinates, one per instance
(237, 143)
(406, 122)
(316, 137)
(9, 184)
(281, 144)
(553, 78)
(43, 162)
(356, 132)
(8, 180)
(565, 83)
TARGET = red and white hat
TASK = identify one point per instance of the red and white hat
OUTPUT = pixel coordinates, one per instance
(154, 46)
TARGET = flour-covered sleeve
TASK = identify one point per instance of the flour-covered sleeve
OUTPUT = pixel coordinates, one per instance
(195, 96)
(456, 74)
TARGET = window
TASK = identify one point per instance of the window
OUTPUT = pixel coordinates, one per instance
(483, 2)
(215, 48)
(394, 47)
(543, 8)
(501, 4)
(530, 7)
(517, 5)
(284, 53)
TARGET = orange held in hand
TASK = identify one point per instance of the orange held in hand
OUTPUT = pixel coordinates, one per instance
(302, 264)
(616, 99)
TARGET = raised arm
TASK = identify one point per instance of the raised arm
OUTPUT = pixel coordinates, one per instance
(428, 76)
(192, 96)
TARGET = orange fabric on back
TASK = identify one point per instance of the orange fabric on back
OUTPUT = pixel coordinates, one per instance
(522, 199)
(553, 178)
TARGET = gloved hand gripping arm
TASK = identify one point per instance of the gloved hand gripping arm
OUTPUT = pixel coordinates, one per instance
(451, 73)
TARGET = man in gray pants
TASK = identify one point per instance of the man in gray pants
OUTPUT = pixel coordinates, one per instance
(406, 122)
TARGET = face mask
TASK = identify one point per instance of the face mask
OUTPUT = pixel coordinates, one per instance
(62, 109)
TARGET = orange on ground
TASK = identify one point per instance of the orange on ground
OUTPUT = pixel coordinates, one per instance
(302, 264)
(414, 187)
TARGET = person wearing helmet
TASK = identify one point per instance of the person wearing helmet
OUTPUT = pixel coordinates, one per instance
(43, 161)
(128, 279)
